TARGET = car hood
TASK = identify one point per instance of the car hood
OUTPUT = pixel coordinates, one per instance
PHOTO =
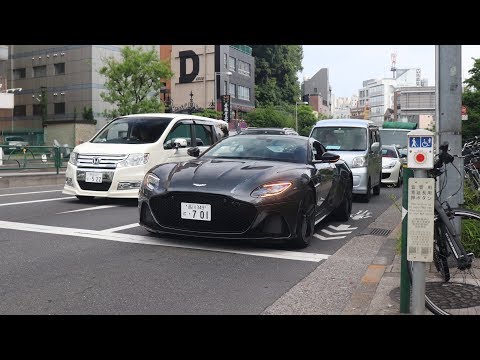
(114, 149)
(347, 156)
(387, 161)
(227, 176)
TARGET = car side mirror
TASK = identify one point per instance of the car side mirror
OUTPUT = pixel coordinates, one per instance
(194, 151)
(375, 147)
(327, 157)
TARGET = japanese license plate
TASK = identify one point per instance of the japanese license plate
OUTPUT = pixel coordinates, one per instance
(93, 177)
(194, 211)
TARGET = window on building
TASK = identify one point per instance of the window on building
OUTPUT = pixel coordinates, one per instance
(232, 63)
(243, 93)
(225, 60)
(20, 110)
(315, 90)
(233, 90)
(243, 68)
(39, 71)
(59, 68)
(59, 108)
(19, 73)
(37, 110)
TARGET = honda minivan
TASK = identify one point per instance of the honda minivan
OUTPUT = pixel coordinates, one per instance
(358, 144)
(113, 163)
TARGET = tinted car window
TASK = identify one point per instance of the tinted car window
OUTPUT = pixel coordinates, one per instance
(341, 138)
(282, 148)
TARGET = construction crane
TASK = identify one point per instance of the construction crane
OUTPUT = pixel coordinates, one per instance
(393, 69)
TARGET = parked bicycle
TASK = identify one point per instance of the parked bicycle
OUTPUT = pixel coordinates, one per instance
(452, 281)
(471, 153)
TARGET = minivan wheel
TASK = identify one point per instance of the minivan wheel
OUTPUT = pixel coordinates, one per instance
(368, 195)
(376, 189)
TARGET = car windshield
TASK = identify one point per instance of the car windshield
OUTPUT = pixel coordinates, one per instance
(394, 137)
(133, 130)
(274, 148)
(341, 138)
(389, 153)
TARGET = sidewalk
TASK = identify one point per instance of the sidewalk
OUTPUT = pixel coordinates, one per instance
(31, 177)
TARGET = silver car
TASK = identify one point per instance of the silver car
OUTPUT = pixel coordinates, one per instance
(358, 144)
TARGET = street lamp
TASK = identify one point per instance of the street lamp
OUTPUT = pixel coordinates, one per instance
(215, 87)
(296, 113)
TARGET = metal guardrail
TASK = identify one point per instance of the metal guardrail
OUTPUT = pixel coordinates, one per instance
(33, 157)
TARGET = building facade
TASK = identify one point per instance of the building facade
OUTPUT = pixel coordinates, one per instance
(415, 104)
(67, 75)
(319, 84)
(203, 73)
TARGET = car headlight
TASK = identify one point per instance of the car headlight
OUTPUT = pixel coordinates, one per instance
(271, 189)
(390, 165)
(151, 181)
(359, 161)
(133, 160)
(73, 158)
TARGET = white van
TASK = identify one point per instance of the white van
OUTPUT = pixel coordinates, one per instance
(358, 143)
(113, 163)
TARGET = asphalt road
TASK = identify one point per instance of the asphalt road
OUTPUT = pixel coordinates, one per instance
(60, 256)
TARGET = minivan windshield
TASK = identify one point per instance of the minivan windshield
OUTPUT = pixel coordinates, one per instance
(133, 130)
(341, 138)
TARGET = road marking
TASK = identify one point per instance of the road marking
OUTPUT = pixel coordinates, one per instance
(36, 201)
(87, 209)
(328, 238)
(124, 227)
(323, 217)
(361, 214)
(336, 233)
(149, 240)
(342, 227)
(32, 192)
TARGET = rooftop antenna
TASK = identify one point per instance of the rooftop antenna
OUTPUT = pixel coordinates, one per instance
(393, 69)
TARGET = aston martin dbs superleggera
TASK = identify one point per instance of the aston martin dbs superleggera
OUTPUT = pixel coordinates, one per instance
(248, 187)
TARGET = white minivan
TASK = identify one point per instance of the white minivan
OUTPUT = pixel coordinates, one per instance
(113, 163)
(358, 143)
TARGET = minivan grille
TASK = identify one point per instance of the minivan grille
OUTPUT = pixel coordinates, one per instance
(99, 161)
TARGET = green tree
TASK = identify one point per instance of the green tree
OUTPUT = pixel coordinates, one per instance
(471, 99)
(269, 117)
(88, 116)
(210, 113)
(133, 83)
(306, 119)
(276, 68)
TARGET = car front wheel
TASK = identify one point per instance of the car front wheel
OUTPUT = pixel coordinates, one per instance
(305, 223)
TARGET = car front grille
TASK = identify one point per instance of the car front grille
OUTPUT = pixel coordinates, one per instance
(104, 186)
(228, 215)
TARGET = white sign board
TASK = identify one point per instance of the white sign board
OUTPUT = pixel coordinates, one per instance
(44, 157)
(464, 117)
(420, 149)
(6, 101)
(421, 197)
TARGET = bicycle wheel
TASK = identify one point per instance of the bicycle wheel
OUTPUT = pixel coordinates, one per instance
(460, 294)
(440, 252)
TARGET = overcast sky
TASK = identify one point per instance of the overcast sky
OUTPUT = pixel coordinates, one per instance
(350, 65)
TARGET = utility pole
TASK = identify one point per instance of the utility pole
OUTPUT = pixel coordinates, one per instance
(448, 80)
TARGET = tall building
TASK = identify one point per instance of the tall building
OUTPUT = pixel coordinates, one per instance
(377, 96)
(319, 85)
(203, 73)
(67, 75)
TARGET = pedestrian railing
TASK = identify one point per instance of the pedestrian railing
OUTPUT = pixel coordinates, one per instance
(33, 157)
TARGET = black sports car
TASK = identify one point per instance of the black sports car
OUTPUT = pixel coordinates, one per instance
(253, 187)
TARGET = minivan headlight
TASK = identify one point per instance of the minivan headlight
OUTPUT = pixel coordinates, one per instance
(133, 160)
(73, 158)
(359, 161)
